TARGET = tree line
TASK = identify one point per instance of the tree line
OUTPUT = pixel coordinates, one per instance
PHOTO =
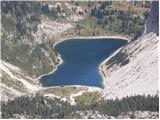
(42, 107)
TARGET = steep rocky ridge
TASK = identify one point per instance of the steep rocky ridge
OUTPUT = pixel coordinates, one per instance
(152, 22)
(133, 69)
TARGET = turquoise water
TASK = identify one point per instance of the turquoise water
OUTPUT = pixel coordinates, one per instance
(81, 60)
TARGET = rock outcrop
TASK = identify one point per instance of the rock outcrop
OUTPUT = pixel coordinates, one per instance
(129, 115)
(139, 115)
(15, 83)
(152, 22)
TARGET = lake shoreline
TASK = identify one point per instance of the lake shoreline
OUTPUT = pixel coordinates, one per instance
(102, 71)
(56, 67)
(127, 38)
(78, 37)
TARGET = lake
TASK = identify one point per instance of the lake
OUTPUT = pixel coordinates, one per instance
(81, 61)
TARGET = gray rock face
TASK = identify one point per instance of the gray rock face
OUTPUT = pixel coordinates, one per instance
(132, 69)
(139, 115)
(129, 115)
(152, 22)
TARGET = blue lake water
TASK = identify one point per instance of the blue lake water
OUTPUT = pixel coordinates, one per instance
(81, 61)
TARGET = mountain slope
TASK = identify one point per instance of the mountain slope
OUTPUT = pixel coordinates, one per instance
(133, 69)
(29, 30)
(14, 82)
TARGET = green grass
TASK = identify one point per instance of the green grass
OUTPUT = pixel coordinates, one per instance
(88, 98)
(63, 91)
